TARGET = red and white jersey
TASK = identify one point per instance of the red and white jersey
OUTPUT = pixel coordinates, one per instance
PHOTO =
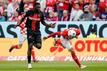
(28, 6)
(66, 32)
(22, 25)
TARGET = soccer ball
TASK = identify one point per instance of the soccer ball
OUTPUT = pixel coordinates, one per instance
(71, 33)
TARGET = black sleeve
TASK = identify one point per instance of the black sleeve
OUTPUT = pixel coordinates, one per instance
(28, 13)
(42, 17)
(42, 20)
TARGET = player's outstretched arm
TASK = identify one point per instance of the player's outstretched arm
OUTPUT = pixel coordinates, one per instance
(27, 14)
(52, 25)
(51, 35)
(22, 19)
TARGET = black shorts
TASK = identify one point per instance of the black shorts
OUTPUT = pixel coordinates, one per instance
(34, 37)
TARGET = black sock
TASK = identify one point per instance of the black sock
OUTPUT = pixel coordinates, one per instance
(29, 59)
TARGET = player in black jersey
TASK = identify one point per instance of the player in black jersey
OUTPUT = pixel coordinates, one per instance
(34, 17)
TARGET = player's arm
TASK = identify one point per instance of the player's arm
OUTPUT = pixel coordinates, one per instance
(28, 13)
(52, 34)
(22, 19)
(44, 23)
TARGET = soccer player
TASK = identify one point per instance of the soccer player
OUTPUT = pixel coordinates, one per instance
(64, 40)
(23, 35)
(34, 17)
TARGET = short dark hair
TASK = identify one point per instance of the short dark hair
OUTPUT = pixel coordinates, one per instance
(36, 6)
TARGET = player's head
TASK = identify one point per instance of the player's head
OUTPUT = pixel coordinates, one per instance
(71, 34)
(37, 7)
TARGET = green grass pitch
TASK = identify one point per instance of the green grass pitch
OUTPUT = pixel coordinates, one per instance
(51, 66)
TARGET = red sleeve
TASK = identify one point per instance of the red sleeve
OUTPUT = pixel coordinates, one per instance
(77, 32)
(53, 34)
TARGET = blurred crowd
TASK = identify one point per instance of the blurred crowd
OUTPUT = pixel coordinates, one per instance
(58, 10)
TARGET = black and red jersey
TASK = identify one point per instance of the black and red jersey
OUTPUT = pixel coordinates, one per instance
(32, 24)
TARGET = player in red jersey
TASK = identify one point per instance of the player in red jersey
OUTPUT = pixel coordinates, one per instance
(64, 40)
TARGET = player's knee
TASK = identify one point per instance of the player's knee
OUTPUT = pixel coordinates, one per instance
(20, 45)
(72, 51)
(38, 45)
(30, 45)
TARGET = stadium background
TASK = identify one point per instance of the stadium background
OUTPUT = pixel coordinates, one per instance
(88, 49)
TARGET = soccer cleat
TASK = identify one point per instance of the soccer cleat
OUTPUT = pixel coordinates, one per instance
(29, 66)
(10, 50)
(12, 47)
(83, 66)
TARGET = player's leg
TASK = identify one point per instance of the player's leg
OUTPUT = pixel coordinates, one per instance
(33, 55)
(29, 52)
(21, 39)
(67, 44)
(37, 41)
(30, 40)
(75, 58)
(17, 46)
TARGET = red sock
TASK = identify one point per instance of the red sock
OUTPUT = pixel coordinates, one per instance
(76, 59)
(33, 54)
(15, 46)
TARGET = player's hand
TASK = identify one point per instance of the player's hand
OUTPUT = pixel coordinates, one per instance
(53, 25)
(44, 38)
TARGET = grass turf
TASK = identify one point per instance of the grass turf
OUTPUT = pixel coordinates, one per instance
(51, 66)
